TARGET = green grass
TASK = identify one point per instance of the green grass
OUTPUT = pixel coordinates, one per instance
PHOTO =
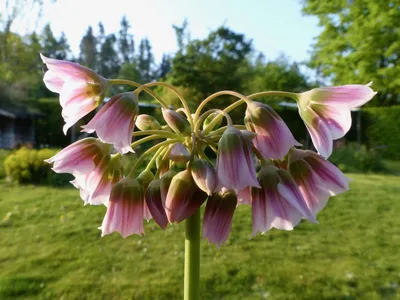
(51, 249)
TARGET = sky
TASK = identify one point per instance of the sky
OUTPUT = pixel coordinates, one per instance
(275, 26)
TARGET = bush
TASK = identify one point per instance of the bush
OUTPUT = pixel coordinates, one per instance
(383, 130)
(28, 166)
(350, 159)
(3, 154)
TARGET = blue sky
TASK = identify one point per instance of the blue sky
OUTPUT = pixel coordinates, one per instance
(275, 26)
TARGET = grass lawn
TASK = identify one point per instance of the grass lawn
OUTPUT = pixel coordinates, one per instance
(51, 249)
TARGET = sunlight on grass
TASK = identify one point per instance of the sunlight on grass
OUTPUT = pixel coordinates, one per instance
(51, 248)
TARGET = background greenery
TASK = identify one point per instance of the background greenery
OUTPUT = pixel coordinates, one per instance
(51, 249)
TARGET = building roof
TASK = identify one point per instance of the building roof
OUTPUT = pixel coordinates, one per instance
(18, 110)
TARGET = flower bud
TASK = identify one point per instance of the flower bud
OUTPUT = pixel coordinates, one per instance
(155, 204)
(183, 198)
(210, 118)
(204, 175)
(144, 180)
(176, 121)
(218, 215)
(146, 122)
(165, 183)
(179, 153)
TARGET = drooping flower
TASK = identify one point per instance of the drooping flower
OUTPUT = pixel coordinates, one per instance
(234, 167)
(244, 196)
(81, 89)
(165, 182)
(146, 122)
(179, 153)
(95, 186)
(326, 112)
(155, 204)
(316, 177)
(204, 175)
(176, 121)
(274, 138)
(183, 198)
(144, 179)
(218, 215)
(78, 158)
(125, 209)
(115, 121)
(278, 203)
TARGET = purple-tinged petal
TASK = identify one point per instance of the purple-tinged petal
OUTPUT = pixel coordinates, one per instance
(53, 82)
(217, 222)
(155, 203)
(244, 196)
(337, 119)
(350, 96)
(204, 175)
(125, 210)
(319, 132)
(179, 153)
(274, 138)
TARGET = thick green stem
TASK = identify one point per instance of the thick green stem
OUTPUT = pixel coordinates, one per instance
(192, 257)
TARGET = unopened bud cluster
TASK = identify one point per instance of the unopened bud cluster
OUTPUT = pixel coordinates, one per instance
(256, 164)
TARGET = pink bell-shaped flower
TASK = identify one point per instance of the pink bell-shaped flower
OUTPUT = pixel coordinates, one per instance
(204, 175)
(183, 198)
(155, 204)
(95, 186)
(78, 158)
(278, 203)
(235, 167)
(316, 177)
(115, 121)
(326, 112)
(274, 138)
(218, 215)
(125, 209)
(81, 89)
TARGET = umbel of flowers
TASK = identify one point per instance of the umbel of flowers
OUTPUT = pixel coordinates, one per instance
(258, 164)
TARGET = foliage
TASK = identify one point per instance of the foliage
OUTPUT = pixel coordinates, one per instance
(3, 154)
(383, 130)
(28, 166)
(351, 159)
(360, 42)
(351, 254)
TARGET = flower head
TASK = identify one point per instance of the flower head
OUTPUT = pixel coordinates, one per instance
(326, 112)
(144, 179)
(278, 203)
(125, 209)
(115, 121)
(218, 215)
(274, 138)
(316, 177)
(81, 89)
(235, 167)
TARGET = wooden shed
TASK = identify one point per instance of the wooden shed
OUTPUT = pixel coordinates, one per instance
(16, 125)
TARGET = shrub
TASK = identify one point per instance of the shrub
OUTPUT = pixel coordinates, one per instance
(350, 159)
(28, 166)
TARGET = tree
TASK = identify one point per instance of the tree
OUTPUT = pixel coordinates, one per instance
(53, 47)
(145, 60)
(359, 43)
(165, 66)
(108, 64)
(213, 64)
(126, 45)
(88, 46)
